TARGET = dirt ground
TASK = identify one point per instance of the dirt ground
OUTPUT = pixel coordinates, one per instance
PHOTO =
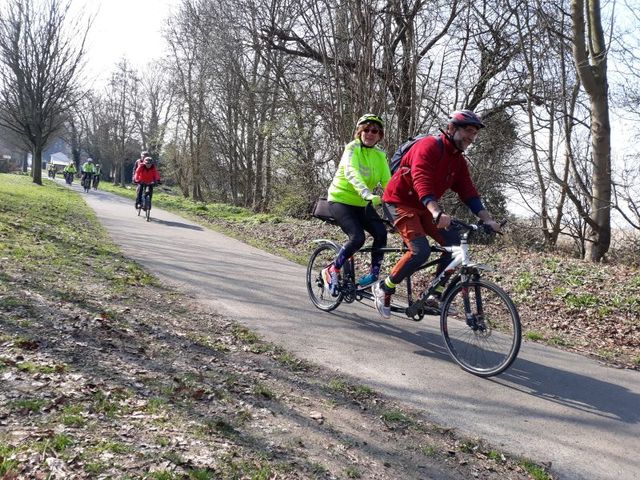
(151, 386)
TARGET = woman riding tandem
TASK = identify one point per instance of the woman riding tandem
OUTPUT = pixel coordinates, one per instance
(362, 168)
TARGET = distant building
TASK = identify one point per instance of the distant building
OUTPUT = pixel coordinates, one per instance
(59, 158)
(11, 157)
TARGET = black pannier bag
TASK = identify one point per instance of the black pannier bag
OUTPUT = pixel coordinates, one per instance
(321, 210)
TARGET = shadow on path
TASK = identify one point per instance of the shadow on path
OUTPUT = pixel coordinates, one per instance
(569, 389)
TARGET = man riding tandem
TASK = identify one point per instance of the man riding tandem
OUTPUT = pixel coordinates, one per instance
(428, 169)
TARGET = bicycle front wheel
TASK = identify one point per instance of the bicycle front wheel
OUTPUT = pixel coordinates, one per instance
(481, 327)
(321, 258)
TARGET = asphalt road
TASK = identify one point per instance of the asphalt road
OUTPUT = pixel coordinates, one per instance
(551, 406)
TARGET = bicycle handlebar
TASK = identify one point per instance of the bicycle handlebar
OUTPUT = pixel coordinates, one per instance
(459, 224)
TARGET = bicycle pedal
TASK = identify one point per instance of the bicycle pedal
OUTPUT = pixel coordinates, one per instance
(362, 288)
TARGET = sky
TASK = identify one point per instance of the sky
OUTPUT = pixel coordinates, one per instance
(123, 28)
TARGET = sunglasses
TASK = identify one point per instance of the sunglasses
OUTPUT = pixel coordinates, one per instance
(375, 131)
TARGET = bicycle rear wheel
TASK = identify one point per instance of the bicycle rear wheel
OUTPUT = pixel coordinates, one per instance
(481, 327)
(321, 258)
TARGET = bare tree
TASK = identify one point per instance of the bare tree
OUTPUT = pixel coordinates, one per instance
(41, 49)
(188, 35)
(153, 108)
(590, 54)
(627, 192)
(122, 102)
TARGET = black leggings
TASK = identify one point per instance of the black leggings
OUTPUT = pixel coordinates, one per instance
(354, 221)
(140, 192)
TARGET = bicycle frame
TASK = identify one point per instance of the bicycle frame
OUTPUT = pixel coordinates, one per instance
(458, 269)
(479, 322)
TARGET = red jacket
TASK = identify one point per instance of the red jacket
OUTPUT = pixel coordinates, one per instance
(146, 175)
(427, 170)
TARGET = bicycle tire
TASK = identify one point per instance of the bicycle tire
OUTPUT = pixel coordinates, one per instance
(320, 259)
(490, 346)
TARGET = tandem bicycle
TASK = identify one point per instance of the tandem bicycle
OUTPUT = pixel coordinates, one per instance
(479, 322)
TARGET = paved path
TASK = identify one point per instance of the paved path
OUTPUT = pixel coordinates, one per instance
(550, 406)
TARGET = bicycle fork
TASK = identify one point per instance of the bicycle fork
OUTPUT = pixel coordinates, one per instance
(475, 320)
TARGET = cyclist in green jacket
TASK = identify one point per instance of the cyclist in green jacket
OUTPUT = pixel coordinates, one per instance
(70, 168)
(68, 172)
(88, 169)
(362, 168)
(96, 176)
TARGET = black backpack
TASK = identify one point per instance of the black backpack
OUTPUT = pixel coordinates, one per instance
(404, 147)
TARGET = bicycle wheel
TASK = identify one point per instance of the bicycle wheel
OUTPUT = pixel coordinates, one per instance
(146, 206)
(481, 327)
(321, 258)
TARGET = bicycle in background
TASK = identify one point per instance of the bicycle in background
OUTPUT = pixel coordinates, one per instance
(86, 181)
(479, 322)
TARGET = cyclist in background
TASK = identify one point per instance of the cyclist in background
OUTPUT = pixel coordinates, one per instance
(426, 172)
(96, 176)
(69, 171)
(88, 169)
(145, 174)
(143, 154)
(351, 197)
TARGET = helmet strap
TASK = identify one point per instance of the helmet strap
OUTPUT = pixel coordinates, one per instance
(450, 137)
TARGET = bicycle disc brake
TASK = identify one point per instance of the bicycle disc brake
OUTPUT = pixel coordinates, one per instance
(478, 325)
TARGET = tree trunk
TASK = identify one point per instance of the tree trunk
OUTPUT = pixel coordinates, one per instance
(36, 165)
(591, 64)
(599, 231)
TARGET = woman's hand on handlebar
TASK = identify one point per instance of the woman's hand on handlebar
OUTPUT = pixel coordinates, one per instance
(375, 200)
